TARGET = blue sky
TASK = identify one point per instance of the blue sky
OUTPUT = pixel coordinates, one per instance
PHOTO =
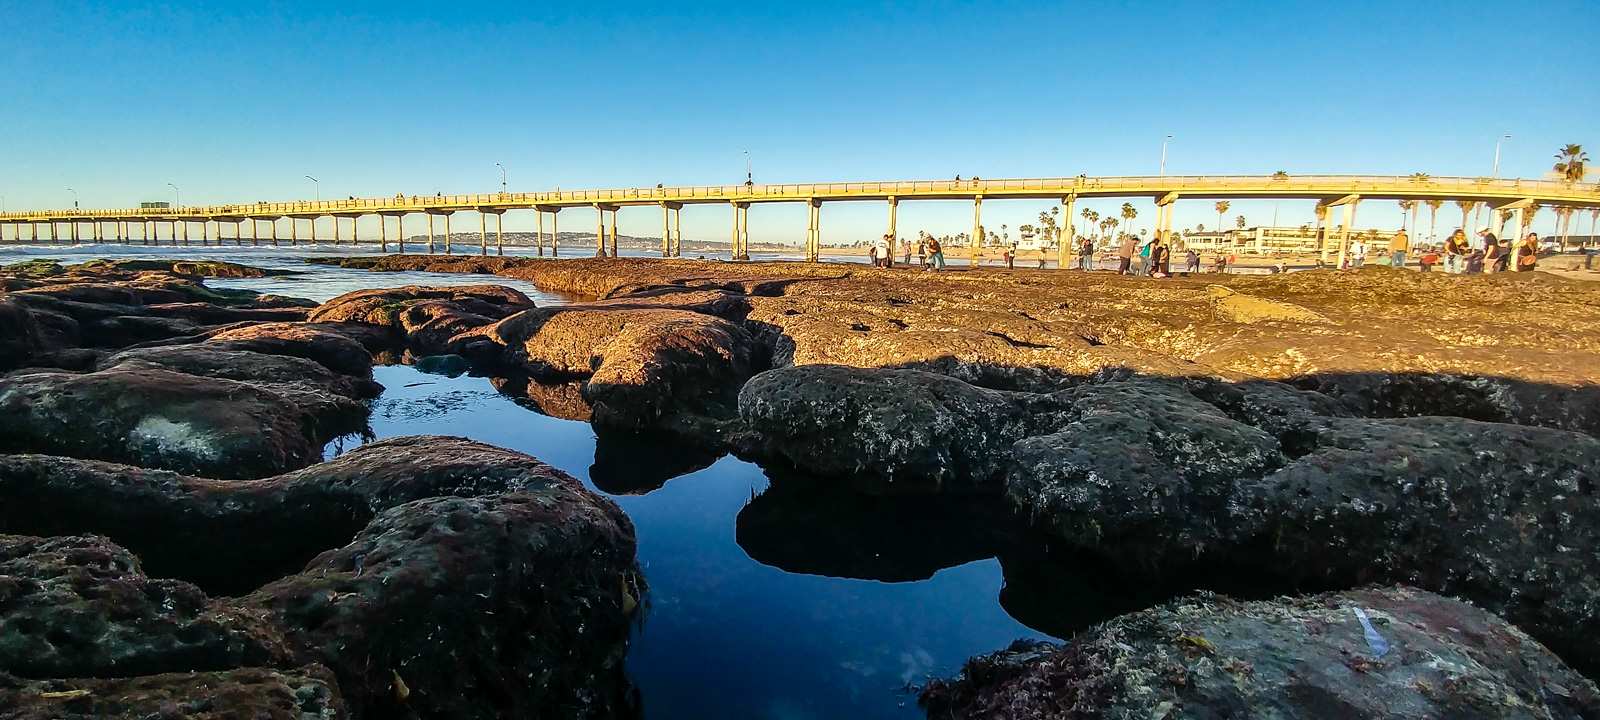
(238, 101)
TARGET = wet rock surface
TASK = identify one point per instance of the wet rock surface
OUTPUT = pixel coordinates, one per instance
(1317, 429)
(1425, 656)
(300, 693)
(366, 565)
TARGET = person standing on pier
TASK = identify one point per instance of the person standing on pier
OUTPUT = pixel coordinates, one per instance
(1397, 249)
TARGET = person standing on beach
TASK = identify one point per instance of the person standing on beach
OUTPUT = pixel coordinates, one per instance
(886, 252)
(1398, 246)
(1125, 255)
(935, 253)
(922, 249)
(1358, 253)
(1086, 254)
(1010, 256)
(1528, 253)
(1191, 262)
(1455, 251)
(1489, 245)
(1041, 257)
(905, 249)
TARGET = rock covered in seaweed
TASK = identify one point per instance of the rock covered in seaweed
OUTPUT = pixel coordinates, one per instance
(1425, 656)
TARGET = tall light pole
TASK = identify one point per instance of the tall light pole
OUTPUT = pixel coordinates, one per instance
(74, 198)
(502, 178)
(1502, 139)
(748, 178)
(176, 201)
(1164, 154)
(316, 185)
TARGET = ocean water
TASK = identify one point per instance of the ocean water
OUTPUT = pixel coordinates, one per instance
(770, 596)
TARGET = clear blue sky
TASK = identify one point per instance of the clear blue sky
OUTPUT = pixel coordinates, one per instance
(238, 101)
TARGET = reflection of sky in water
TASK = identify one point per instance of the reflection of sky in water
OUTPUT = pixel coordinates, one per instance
(727, 636)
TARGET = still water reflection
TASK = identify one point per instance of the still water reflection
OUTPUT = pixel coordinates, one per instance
(758, 631)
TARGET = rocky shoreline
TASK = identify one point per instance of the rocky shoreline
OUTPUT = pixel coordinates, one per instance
(1319, 431)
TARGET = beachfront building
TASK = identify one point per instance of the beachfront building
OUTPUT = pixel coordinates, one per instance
(1262, 240)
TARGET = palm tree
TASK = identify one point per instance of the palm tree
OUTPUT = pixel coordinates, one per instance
(1571, 163)
(1466, 214)
(1563, 220)
(1129, 213)
(1405, 211)
(1433, 214)
(1089, 219)
(1112, 224)
(1420, 177)
(1222, 207)
(1280, 175)
(1094, 221)
(1238, 222)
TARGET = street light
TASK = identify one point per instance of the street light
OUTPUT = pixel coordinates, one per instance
(748, 178)
(176, 201)
(1164, 154)
(502, 178)
(74, 198)
(1502, 139)
(317, 186)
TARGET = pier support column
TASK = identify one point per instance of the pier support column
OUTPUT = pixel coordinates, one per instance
(599, 231)
(614, 231)
(383, 235)
(447, 249)
(733, 239)
(500, 233)
(312, 223)
(677, 231)
(555, 233)
(1321, 214)
(273, 233)
(430, 233)
(483, 233)
(538, 235)
(894, 232)
(74, 232)
(294, 231)
(666, 231)
(335, 230)
(400, 231)
(744, 232)
(1344, 233)
(1067, 237)
(977, 230)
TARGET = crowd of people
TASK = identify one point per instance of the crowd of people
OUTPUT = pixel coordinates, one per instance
(1484, 254)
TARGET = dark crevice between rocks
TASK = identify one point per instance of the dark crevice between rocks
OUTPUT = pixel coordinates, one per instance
(1013, 342)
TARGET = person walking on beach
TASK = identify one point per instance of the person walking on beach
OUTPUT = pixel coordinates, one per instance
(1358, 253)
(1041, 257)
(1398, 246)
(1010, 256)
(1191, 262)
(1125, 255)
(935, 253)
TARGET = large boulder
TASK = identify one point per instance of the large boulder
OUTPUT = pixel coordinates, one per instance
(401, 566)
(159, 418)
(424, 319)
(20, 336)
(81, 607)
(1137, 460)
(1507, 516)
(211, 360)
(1389, 653)
(642, 368)
(325, 343)
(890, 430)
